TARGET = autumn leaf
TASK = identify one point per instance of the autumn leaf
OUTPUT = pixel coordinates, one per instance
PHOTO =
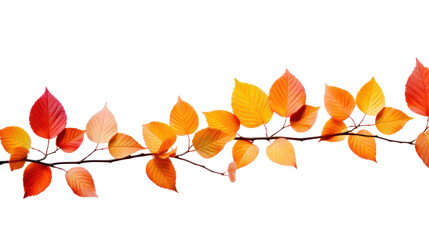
(222, 120)
(169, 154)
(162, 173)
(122, 145)
(422, 147)
(232, 168)
(333, 127)
(13, 137)
(287, 95)
(250, 104)
(338, 103)
(17, 158)
(183, 118)
(362, 146)
(304, 118)
(159, 137)
(47, 116)
(37, 177)
(102, 126)
(70, 139)
(244, 152)
(80, 181)
(370, 98)
(417, 90)
(208, 142)
(281, 151)
(390, 120)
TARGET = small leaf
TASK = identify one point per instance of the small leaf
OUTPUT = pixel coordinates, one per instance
(390, 120)
(162, 173)
(287, 95)
(159, 137)
(222, 120)
(362, 146)
(304, 118)
(80, 181)
(232, 169)
(208, 142)
(17, 158)
(169, 154)
(338, 103)
(417, 90)
(183, 118)
(122, 145)
(13, 137)
(370, 98)
(333, 127)
(281, 151)
(70, 139)
(250, 104)
(37, 177)
(102, 126)
(422, 147)
(47, 116)
(244, 152)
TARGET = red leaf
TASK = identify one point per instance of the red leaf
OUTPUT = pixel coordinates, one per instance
(70, 139)
(80, 181)
(47, 116)
(417, 90)
(37, 178)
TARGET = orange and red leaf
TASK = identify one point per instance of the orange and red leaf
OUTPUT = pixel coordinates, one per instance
(37, 177)
(17, 158)
(304, 118)
(80, 182)
(70, 139)
(417, 90)
(13, 137)
(363, 146)
(162, 173)
(338, 103)
(244, 152)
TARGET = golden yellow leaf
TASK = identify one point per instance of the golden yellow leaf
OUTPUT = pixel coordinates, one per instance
(17, 158)
(390, 120)
(222, 120)
(122, 145)
(244, 152)
(304, 118)
(362, 146)
(281, 151)
(102, 126)
(250, 104)
(183, 118)
(208, 141)
(159, 137)
(232, 168)
(370, 98)
(338, 103)
(162, 173)
(13, 137)
(422, 147)
(332, 127)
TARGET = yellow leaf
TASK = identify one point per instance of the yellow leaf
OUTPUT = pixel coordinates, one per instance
(370, 98)
(281, 151)
(222, 120)
(244, 152)
(102, 126)
(338, 103)
(232, 168)
(332, 127)
(17, 158)
(159, 137)
(390, 120)
(183, 118)
(250, 104)
(287, 95)
(13, 137)
(162, 173)
(362, 146)
(122, 145)
(422, 147)
(208, 142)
(304, 119)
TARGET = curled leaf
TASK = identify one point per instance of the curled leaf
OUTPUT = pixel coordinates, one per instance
(304, 118)
(159, 137)
(80, 182)
(232, 169)
(183, 118)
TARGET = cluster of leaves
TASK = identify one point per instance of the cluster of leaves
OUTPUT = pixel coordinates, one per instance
(251, 108)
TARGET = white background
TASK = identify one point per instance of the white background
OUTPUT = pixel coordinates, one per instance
(140, 56)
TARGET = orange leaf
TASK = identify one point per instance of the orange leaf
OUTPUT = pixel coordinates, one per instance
(37, 177)
(122, 145)
(183, 118)
(13, 137)
(159, 137)
(390, 120)
(287, 95)
(169, 154)
(417, 90)
(17, 158)
(162, 173)
(244, 152)
(208, 141)
(222, 120)
(232, 168)
(332, 127)
(281, 151)
(362, 146)
(70, 139)
(250, 104)
(47, 116)
(422, 147)
(102, 126)
(80, 181)
(338, 103)
(370, 98)
(304, 119)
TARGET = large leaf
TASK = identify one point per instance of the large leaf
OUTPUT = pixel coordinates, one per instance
(281, 151)
(362, 146)
(370, 98)
(102, 126)
(122, 145)
(422, 147)
(304, 118)
(244, 152)
(47, 116)
(250, 104)
(37, 177)
(70, 139)
(159, 137)
(287, 95)
(13, 137)
(333, 127)
(338, 103)
(390, 120)
(17, 158)
(183, 118)
(222, 120)
(81, 183)
(162, 173)
(417, 90)
(208, 141)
